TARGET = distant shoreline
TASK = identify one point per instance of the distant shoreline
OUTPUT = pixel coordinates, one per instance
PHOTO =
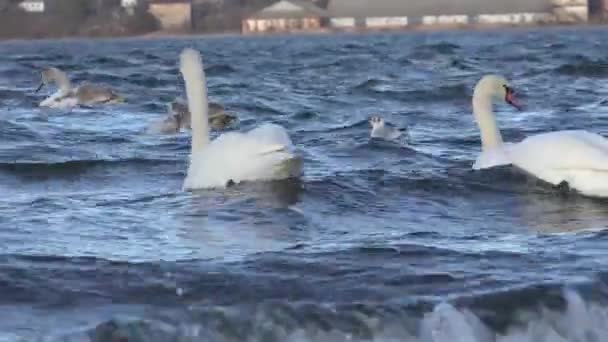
(321, 32)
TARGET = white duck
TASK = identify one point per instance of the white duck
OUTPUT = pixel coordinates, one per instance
(66, 96)
(381, 130)
(577, 158)
(262, 154)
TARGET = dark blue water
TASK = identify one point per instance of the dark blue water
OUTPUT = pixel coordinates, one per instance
(379, 241)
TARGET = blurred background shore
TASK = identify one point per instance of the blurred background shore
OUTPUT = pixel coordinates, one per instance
(27, 19)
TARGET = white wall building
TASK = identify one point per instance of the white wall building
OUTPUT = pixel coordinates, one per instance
(129, 6)
(32, 6)
(128, 3)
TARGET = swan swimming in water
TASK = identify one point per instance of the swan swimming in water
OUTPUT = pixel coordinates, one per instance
(262, 154)
(382, 131)
(66, 96)
(576, 158)
(179, 118)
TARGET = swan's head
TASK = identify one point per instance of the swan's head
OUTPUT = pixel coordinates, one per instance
(497, 88)
(376, 121)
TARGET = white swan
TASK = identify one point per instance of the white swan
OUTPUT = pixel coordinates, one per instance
(577, 158)
(66, 96)
(264, 153)
(382, 131)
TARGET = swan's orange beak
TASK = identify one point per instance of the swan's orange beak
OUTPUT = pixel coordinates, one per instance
(510, 98)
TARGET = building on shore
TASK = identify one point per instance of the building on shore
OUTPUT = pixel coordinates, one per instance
(61, 7)
(392, 14)
(32, 6)
(360, 14)
(386, 14)
(286, 16)
(173, 15)
(572, 10)
(129, 6)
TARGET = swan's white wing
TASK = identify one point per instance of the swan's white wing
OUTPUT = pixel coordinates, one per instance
(578, 158)
(270, 134)
(272, 149)
(259, 154)
(562, 150)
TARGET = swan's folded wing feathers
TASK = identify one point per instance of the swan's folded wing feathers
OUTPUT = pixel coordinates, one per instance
(272, 149)
(563, 150)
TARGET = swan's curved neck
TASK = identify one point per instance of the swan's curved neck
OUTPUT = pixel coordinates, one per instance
(63, 82)
(484, 116)
(196, 92)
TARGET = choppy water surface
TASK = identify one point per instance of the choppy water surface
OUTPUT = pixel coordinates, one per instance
(378, 242)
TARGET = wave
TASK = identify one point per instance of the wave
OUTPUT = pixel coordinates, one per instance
(431, 51)
(353, 46)
(219, 69)
(584, 67)
(108, 62)
(370, 84)
(304, 115)
(442, 93)
(537, 319)
(13, 132)
(441, 47)
(262, 276)
(456, 92)
(463, 65)
(258, 106)
(354, 188)
(148, 80)
(142, 79)
(26, 168)
(144, 54)
(47, 57)
(9, 94)
(103, 78)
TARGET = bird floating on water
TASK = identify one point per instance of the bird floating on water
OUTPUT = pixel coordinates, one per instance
(179, 118)
(262, 154)
(67, 96)
(574, 158)
(381, 130)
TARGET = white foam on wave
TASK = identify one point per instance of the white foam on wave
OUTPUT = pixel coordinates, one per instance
(581, 321)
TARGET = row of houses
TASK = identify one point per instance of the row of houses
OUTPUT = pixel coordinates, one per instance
(304, 15)
(46, 6)
(172, 14)
(315, 15)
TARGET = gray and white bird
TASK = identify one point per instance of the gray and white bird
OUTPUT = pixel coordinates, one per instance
(381, 130)
(67, 96)
(179, 118)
